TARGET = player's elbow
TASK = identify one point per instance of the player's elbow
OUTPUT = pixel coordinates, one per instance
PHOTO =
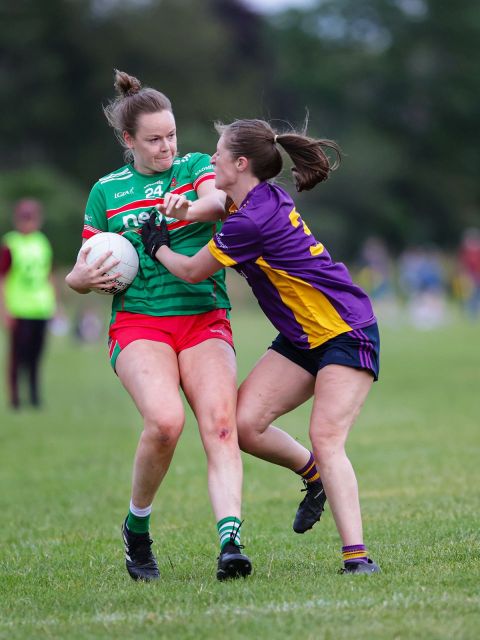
(193, 278)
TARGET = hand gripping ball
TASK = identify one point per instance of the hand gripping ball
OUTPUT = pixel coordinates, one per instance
(122, 250)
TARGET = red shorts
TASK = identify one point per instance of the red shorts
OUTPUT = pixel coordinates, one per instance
(180, 332)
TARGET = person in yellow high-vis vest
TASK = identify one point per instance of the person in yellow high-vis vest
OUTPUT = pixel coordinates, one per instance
(27, 297)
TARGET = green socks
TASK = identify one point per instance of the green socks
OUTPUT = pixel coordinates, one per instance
(138, 520)
(229, 530)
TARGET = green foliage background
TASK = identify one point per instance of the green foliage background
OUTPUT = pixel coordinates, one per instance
(395, 82)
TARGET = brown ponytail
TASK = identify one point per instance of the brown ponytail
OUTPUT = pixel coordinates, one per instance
(311, 164)
(257, 141)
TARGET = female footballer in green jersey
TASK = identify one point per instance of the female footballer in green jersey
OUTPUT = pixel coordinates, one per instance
(164, 333)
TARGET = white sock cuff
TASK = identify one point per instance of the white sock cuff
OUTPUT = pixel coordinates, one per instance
(140, 513)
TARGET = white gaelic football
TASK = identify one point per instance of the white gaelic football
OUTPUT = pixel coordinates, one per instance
(122, 250)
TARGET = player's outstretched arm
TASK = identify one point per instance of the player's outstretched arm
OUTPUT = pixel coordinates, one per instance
(194, 269)
(156, 241)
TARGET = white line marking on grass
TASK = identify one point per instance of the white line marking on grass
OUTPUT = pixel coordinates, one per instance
(396, 601)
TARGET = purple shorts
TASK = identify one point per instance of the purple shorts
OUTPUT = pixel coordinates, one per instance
(359, 349)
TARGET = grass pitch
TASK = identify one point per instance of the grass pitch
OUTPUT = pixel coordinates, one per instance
(65, 481)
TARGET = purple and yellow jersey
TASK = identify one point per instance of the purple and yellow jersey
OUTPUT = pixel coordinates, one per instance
(305, 295)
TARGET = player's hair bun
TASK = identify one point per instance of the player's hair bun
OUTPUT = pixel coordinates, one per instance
(125, 84)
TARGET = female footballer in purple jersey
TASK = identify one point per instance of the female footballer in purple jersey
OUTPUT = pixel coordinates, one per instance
(158, 348)
(328, 345)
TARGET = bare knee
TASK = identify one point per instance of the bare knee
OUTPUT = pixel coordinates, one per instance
(247, 439)
(223, 434)
(249, 430)
(327, 440)
(163, 429)
(219, 428)
(221, 431)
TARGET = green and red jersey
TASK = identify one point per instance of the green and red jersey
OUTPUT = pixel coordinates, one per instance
(121, 202)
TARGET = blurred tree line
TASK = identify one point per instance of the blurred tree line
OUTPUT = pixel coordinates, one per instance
(395, 82)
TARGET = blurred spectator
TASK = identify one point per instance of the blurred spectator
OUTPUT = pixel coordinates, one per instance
(422, 279)
(27, 297)
(376, 272)
(377, 278)
(60, 324)
(88, 326)
(469, 259)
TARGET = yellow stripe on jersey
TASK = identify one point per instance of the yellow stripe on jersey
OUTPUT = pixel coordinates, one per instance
(219, 255)
(311, 308)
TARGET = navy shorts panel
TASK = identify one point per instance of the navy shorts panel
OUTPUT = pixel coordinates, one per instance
(359, 349)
